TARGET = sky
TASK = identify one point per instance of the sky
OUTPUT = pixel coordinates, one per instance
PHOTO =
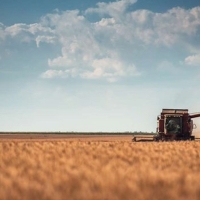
(67, 65)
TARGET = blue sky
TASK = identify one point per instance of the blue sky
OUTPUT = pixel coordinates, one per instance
(97, 66)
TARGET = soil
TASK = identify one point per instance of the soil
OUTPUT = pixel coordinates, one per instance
(76, 137)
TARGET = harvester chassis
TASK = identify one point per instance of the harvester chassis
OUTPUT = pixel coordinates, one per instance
(162, 138)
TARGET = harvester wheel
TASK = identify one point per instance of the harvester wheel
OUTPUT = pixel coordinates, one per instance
(134, 139)
(156, 138)
(192, 137)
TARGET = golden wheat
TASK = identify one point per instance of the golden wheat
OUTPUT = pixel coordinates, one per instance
(99, 170)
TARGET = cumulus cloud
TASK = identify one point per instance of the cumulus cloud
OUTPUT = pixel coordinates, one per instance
(193, 60)
(43, 38)
(104, 49)
(27, 33)
(53, 74)
(110, 69)
(111, 8)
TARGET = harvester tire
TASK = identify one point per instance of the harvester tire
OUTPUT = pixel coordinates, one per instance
(192, 137)
(134, 139)
(156, 139)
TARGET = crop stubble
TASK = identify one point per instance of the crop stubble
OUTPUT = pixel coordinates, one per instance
(67, 169)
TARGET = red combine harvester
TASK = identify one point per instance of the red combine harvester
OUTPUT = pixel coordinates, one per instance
(173, 124)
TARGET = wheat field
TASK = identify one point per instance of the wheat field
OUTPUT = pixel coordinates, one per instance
(95, 170)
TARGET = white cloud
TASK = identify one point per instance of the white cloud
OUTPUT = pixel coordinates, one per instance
(27, 33)
(111, 8)
(193, 60)
(16, 29)
(105, 68)
(109, 69)
(96, 48)
(177, 24)
(53, 74)
(105, 49)
(43, 38)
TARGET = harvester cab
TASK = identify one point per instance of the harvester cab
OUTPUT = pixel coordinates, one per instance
(172, 124)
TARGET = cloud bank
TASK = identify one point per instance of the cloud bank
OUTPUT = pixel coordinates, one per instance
(99, 43)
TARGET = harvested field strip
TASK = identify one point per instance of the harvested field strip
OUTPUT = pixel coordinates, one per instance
(70, 137)
(99, 170)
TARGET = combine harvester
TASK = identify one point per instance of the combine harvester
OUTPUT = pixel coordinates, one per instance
(172, 124)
